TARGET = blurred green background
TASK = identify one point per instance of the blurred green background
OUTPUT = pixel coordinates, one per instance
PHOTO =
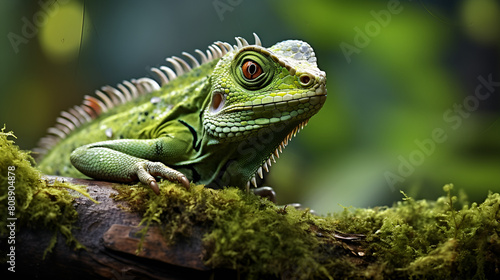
(399, 74)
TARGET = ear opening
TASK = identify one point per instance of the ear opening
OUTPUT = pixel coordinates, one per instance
(217, 103)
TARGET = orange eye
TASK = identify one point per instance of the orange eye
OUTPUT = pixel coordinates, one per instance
(251, 70)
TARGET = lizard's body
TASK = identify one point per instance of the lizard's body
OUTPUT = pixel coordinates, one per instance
(218, 124)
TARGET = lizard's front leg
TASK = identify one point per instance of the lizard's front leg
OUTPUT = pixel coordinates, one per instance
(129, 160)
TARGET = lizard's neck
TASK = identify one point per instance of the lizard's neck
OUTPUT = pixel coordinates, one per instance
(241, 162)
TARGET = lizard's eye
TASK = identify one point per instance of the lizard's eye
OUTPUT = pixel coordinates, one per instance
(251, 69)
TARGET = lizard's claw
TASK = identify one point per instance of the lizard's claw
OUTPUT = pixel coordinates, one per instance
(147, 170)
(184, 181)
(154, 186)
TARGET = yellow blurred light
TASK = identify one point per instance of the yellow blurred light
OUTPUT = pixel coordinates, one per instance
(482, 20)
(60, 37)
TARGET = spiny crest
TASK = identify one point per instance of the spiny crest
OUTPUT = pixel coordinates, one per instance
(109, 97)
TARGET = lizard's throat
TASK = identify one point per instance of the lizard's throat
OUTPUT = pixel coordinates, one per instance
(271, 151)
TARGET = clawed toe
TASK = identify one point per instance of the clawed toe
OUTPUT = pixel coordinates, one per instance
(146, 171)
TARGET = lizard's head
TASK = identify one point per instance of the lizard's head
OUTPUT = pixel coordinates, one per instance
(261, 97)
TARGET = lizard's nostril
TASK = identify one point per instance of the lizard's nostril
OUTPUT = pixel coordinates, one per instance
(306, 80)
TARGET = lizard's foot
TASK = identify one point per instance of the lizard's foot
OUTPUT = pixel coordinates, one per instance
(146, 171)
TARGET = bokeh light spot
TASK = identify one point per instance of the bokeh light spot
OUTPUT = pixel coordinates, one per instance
(60, 36)
(482, 18)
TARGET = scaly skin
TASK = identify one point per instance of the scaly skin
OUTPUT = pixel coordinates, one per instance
(218, 124)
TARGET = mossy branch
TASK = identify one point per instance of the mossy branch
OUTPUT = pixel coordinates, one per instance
(206, 233)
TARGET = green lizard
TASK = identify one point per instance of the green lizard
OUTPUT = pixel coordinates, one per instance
(220, 122)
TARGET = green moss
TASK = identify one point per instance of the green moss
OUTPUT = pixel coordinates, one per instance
(246, 233)
(412, 239)
(431, 240)
(38, 204)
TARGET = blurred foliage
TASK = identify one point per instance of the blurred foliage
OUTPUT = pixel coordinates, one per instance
(409, 65)
(418, 61)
